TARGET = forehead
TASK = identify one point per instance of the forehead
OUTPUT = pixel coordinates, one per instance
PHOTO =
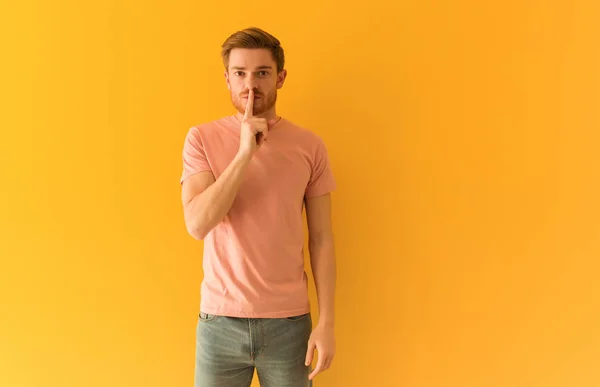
(250, 58)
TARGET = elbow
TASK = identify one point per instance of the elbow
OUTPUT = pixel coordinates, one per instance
(197, 234)
(320, 241)
(196, 230)
(322, 250)
(195, 224)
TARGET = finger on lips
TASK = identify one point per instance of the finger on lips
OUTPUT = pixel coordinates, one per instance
(249, 105)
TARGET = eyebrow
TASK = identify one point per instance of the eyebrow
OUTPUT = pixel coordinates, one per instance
(258, 68)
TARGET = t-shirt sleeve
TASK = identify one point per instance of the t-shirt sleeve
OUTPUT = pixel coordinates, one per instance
(321, 180)
(193, 155)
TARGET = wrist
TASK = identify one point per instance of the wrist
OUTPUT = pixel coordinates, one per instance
(326, 323)
(243, 156)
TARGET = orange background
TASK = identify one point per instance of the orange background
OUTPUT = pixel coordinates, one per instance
(463, 135)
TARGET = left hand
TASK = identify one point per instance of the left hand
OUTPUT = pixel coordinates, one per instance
(323, 340)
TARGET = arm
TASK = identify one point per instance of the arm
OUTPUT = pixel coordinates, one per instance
(322, 260)
(322, 255)
(206, 201)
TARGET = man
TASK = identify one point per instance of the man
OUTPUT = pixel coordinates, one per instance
(246, 179)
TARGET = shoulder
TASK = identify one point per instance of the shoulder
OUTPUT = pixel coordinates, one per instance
(210, 127)
(303, 135)
(209, 130)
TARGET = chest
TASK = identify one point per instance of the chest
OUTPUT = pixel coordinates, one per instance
(279, 170)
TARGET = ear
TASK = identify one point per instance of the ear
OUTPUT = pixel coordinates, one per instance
(226, 74)
(281, 78)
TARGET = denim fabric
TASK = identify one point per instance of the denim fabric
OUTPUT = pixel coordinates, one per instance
(229, 349)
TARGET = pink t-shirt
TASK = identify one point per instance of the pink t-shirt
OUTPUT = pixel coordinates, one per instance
(253, 259)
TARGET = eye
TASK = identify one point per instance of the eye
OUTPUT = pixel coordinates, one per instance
(239, 73)
(263, 73)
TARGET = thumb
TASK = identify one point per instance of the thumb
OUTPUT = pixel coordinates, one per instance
(310, 352)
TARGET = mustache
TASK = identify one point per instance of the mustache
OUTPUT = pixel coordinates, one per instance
(256, 94)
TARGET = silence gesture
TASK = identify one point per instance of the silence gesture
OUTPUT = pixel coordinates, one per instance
(254, 130)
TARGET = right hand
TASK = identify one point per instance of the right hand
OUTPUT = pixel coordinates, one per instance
(254, 130)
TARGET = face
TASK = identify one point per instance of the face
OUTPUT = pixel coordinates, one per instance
(253, 69)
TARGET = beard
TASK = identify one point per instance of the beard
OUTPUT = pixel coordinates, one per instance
(261, 105)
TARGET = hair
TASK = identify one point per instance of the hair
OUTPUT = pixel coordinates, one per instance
(253, 37)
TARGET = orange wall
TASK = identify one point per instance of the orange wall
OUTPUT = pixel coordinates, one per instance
(463, 135)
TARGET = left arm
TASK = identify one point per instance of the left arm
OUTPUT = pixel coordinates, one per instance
(322, 260)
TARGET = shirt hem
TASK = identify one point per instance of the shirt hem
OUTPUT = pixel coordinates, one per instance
(243, 314)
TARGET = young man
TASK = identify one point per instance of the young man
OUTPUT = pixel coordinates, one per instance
(246, 179)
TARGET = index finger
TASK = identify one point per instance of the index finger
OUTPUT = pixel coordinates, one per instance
(250, 105)
(317, 369)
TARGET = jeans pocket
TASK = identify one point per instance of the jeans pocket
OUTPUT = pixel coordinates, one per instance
(206, 317)
(297, 318)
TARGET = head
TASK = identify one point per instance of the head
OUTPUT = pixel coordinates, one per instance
(254, 59)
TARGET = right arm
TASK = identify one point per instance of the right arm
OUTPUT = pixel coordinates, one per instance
(206, 201)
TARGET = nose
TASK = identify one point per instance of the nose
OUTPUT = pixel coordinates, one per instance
(251, 83)
(251, 87)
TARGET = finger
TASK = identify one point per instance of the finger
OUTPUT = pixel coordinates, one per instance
(310, 353)
(262, 125)
(318, 368)
(327, 364)
(250, 105)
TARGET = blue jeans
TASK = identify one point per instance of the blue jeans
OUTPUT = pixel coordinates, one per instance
(228, 350)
